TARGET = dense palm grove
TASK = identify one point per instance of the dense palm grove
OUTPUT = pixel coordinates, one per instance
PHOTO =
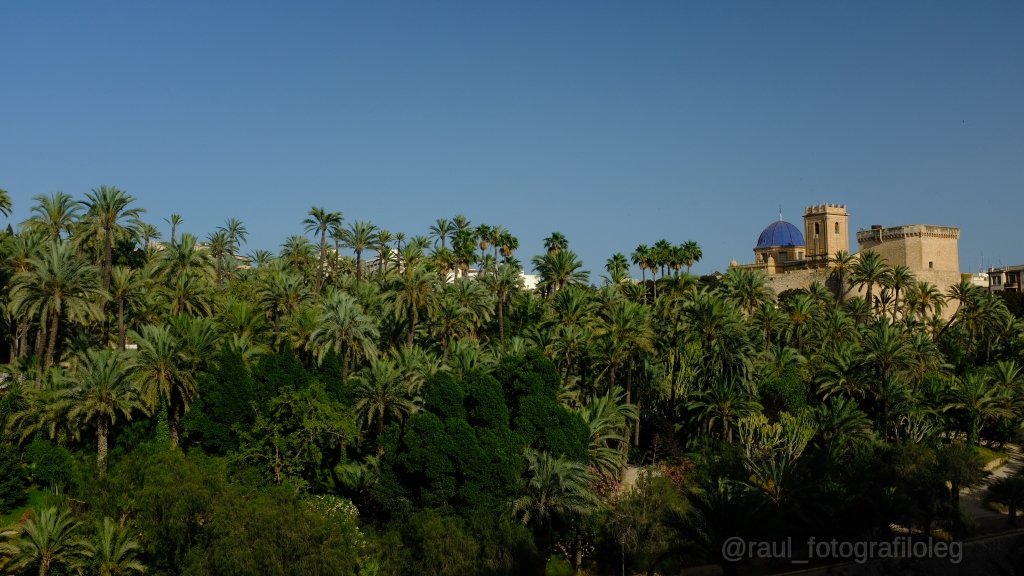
(366, 402)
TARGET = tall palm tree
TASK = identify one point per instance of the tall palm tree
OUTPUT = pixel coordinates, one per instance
(618, 268)
(175, 220)
(164, 374)
(101, 389)
(869, 271)
(54, 215)
(1008, 491)
(185, 257)
(722, 406)
(555, 243)
(842, 264)
(281, 294)
(236, 231)
(975, 395)
(359, 236)
(114, 551)
(320, 221)
(559, 269)
(50, 540)
(609, 419)
(556, 491)
(109, 216)
(58, 285)
(640, 257)
(5, 203)
(483, 235)
(127, 288)
(692, 253)
(900, 279)
(503, 280)
(440, 230)
(343, 328)
(412, 290)
(381, 393)
(748, 288)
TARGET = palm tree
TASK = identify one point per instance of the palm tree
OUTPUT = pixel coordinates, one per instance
(483, 235)
(692, 253)
(127, 288)
(556, 491)
(559, 269)
(5, 203)
(50, 539)
(321, 221)
(640, 257)
(106, 212)
(1008, 491)
(102, 388)
(58, 284)
(359, 236)
(236, 231)
(842, 264)
(869, 270)
(618, 268)
(175, 220)
(900, 278)
(555, 243)
(412, 291)
(975, 395)
(748, 288)
(54, 215)
(722, 406)
(281, 294)
(164, 374)
(503, 281)
(344, 329)
(609, 419)
(114, 551)
(185, 257)
(440, 230)
(381, 393)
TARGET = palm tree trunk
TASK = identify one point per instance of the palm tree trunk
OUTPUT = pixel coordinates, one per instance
(108, 258)
(359, 267)
(412, 324)
(121, 335)
(344, 364)
(174, 421)
(101, 447)
(501, 320)
(51, 346)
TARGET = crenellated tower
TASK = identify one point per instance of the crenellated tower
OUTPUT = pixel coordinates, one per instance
(826, 231)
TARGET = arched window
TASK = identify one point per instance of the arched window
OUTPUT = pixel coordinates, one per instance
(837, 227)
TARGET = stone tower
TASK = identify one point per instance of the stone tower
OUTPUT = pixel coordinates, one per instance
(826, 231)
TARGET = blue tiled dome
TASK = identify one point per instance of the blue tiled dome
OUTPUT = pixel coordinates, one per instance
(780, 233)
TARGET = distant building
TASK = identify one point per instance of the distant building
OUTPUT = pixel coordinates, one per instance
(792, 259)
(1005, 278)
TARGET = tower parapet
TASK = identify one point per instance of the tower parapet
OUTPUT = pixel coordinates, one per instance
(826, 231)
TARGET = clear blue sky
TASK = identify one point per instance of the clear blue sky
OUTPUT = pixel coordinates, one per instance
(616, 123)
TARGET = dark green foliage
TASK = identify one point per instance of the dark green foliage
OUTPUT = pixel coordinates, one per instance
(785, 392)
(527, 375)
(275, 372)
(549, 427)
(227, 397)
(442, 459)
(445, 396)
(485, 403)
(273, 532)
(47, 465)
(12, 479)
(301, 437)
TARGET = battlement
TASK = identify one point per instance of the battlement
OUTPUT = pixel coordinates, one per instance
(825, 209)
(879, 234)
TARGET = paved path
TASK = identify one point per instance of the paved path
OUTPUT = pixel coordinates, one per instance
(972, 498)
